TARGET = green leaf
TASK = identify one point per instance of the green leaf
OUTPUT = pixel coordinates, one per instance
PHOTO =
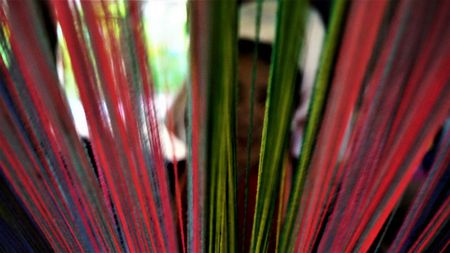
(312, 126)
(290, 23)
(221, 147)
